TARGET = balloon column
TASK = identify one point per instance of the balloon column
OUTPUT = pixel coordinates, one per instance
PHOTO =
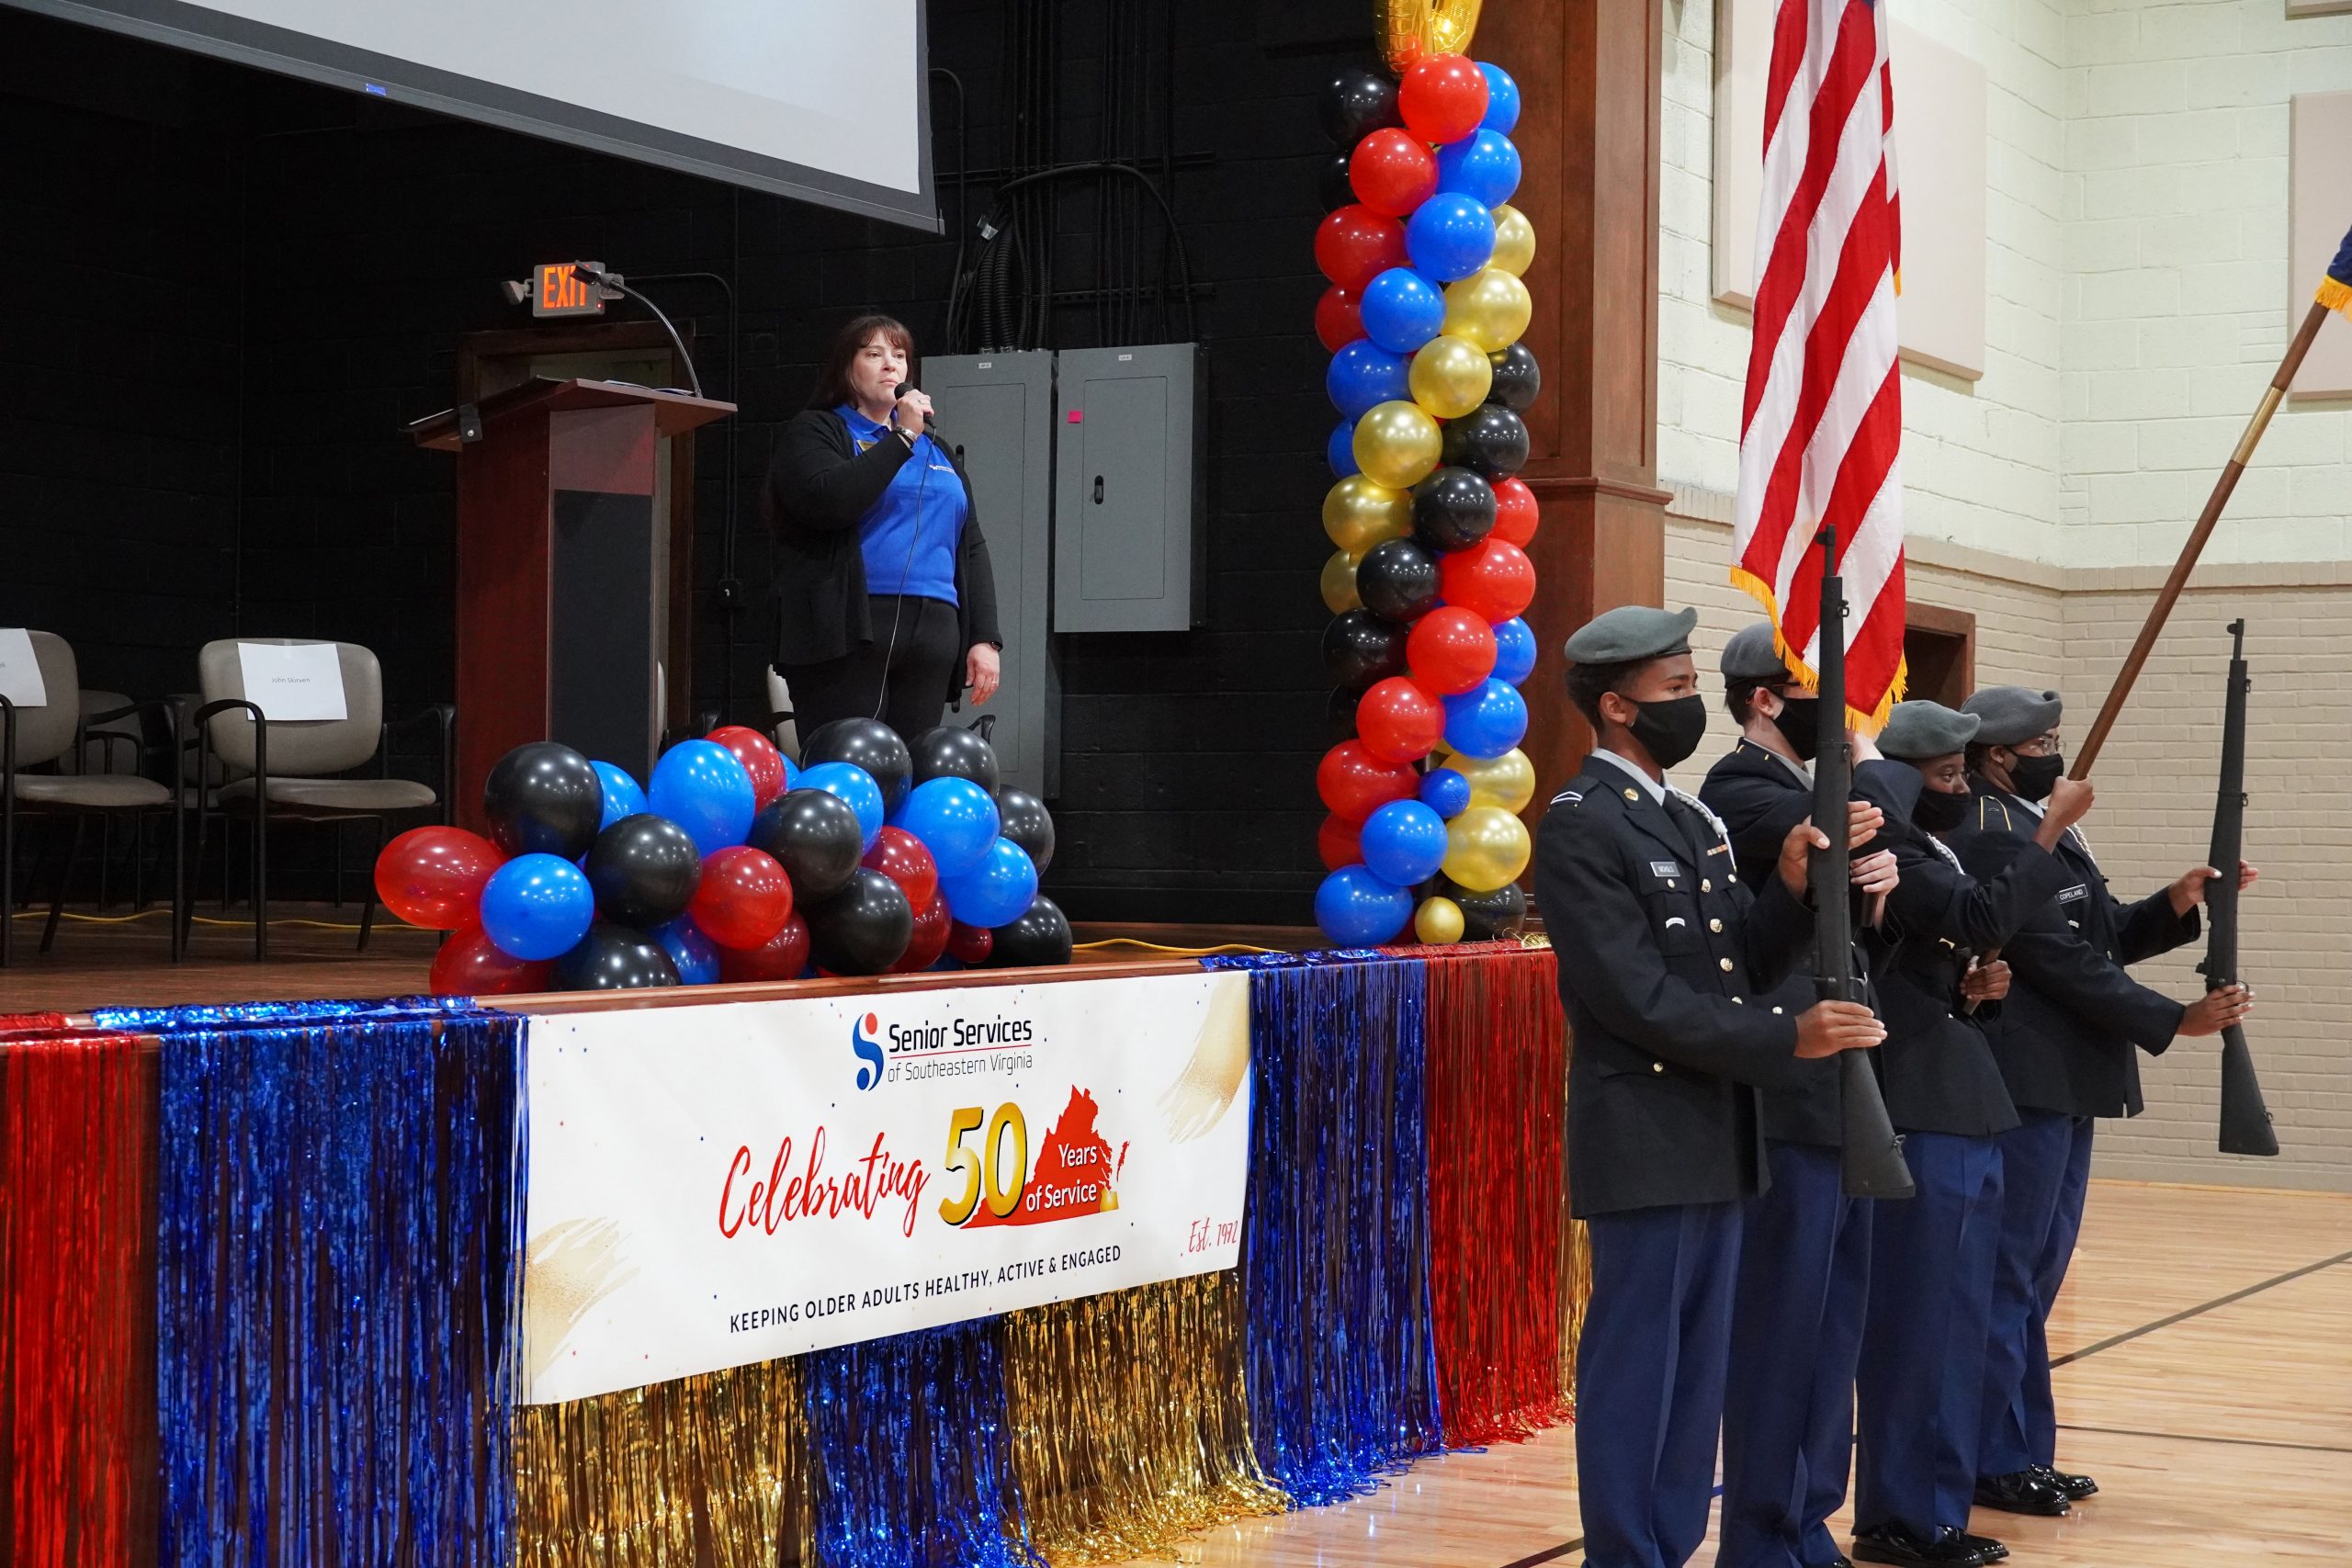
(734, 865)
(1423, 318)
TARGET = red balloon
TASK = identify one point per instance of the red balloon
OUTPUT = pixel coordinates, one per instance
(1391, 173)
(1356, 245)
(781, 957)
(970, 944)
(1492, 577)
(1399, 722)
(932, 923)
(433, 877)
(760, 759)
(1450, 650)
(904, 859)
(470, 965)
(1339, 317)
(1515, 515)
(1336, 841)
(1442, 97)
(1354, 784)
(743, 898)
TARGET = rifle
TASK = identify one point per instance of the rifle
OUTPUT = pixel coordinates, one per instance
(2246, 1120)
(1870, 1163)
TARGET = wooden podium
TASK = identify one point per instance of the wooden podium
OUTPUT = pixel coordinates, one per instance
(561, 612)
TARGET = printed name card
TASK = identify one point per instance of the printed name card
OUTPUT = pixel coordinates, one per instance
(20, 679)
(304, 682)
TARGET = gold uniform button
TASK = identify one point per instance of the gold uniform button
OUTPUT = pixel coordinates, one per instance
(1706, 885)
(1740, 1000)
(1715, 925)
(1657, 1066)
(1632, 794)
(1723, 964)
(1776, 1012)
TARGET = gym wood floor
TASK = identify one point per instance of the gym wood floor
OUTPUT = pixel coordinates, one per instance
(2205, 1379)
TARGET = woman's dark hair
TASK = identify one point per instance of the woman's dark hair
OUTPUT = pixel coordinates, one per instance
(1740, 691)
(832, 389)
(1589, 682)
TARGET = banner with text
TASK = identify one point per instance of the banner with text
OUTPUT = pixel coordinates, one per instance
(720, 1185)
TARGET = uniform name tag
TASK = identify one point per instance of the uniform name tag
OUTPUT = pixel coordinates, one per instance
(2075, 894)
(1665, 868)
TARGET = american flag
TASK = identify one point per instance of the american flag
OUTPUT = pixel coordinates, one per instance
(1821, 433)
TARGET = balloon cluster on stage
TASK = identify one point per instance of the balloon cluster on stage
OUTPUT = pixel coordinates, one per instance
(874, 856)
(1427, 647)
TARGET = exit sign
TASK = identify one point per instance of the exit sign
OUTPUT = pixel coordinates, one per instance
(558, 290)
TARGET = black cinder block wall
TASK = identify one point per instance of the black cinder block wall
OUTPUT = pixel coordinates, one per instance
(231, 290)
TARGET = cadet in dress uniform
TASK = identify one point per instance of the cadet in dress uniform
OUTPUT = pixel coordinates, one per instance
(1663, 960)
(1921, 1375)
(2064, 1040)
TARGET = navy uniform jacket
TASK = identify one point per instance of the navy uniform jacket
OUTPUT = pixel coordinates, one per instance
(2065, 1034)
(1664, 958)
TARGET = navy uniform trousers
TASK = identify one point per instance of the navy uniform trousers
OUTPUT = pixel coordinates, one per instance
(2046, 1170)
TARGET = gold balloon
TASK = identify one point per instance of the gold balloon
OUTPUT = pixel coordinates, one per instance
(1485, 848)
(1438, 922)
(1359, 514)
(1514, 241)
(1489, 307)
(1396, 444)
(1508, 780)
(1451, 376)
(1340, 583)
(1408, 29)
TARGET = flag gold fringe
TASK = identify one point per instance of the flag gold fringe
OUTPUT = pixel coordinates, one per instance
(1869, 723)
(2337, 295)
(1576, 1290)
(650, 1477)
(1130, 1423)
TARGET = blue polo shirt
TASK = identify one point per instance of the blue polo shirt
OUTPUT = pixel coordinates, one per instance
(909, 537)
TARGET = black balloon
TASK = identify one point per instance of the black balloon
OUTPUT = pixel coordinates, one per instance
(864, 929)
(1332, 185)
(1452, 509)
(951, 751)
(1023, 818)
(1488, 916)
(1490, 439)
(1356, 103)
(1516, 379)
(643, 870)
(615, 958)
(1396, 580)
(814, 836)
(1339, 716)
(866, 743)
(544, 799)
(1359, 648)
(1039, 939)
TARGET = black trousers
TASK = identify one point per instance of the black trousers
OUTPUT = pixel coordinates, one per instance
(901, 681)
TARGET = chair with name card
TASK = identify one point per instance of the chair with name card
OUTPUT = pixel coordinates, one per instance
(301, 718)
(45, 732)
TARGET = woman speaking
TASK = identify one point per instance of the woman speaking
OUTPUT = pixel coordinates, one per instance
(885, 604)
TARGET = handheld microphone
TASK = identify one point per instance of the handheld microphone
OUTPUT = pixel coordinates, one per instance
(930, 420)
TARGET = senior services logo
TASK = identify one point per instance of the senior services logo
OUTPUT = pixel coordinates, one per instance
(869, 1054)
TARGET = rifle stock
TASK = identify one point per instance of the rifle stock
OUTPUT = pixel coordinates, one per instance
(2246, 1127)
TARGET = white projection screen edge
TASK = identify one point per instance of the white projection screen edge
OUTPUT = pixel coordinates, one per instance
(220, 33)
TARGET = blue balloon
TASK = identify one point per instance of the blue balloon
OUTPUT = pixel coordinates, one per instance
(1404, 841)
(690, 949)
(699, 785)
(957, 820)
(1341, 450)
(1449, 236)
(1483, 165)
(855, 785)
(1514, 650)
(998, 891)
(1445, 792)
(537, 906)
(1361, 377)
(1487, 720)
(622, 797)
(1402, 309)
(1355, 908)
(1502, 99)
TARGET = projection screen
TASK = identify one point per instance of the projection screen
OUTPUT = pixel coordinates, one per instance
(825, 100)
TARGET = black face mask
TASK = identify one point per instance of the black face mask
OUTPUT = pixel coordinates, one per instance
(1669, 730)
(2030, 777)
(1939, 811)
(1800, 726)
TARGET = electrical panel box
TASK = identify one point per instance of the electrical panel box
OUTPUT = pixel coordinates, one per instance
(1129, 547)
(996, 412)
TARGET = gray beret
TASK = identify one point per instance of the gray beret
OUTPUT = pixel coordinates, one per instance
(1750, 656)
(2012, 714)
(1916, 732)
(1630, 632)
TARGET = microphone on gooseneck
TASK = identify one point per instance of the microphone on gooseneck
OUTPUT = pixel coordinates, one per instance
(930, 420)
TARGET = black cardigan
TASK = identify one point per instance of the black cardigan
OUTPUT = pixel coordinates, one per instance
(820, 489)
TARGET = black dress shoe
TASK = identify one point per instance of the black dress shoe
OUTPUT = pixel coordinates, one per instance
(1833, 1562)
(1987, 1549)
(2076, 1487)
(2021, 1492)
(1897, 1544)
